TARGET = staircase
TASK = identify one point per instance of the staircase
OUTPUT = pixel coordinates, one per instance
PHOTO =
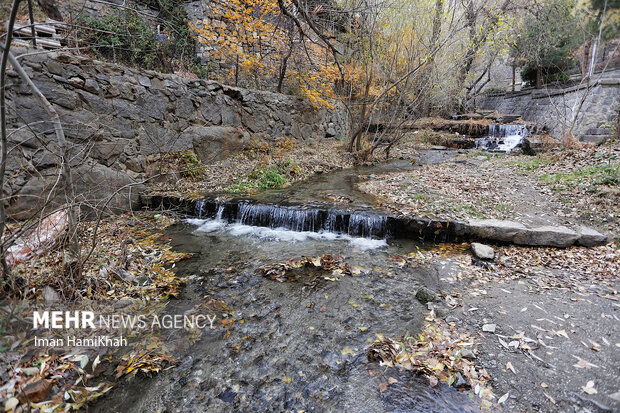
(47, 36)
(595, 135)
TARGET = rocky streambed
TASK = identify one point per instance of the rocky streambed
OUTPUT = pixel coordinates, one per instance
(299, 343)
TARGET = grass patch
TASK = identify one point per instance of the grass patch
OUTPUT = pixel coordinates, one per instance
(586, 178)
(421, 197)
(503, 208)
(266, 177)
(532, 165)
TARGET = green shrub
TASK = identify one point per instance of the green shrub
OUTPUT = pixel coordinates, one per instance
(271, 179)
(129, 39)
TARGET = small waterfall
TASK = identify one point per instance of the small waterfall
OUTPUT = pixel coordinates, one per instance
(295, 218)
(503, 137)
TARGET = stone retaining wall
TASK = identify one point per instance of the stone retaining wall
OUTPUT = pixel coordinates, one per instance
(120, 121)
(554, 108)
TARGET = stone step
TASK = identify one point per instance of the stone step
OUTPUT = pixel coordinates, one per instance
(517, 233)
(48, 43)
(596, 139)
(40, 28)
(597, 131)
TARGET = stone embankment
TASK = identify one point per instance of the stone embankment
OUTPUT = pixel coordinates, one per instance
(121, 123)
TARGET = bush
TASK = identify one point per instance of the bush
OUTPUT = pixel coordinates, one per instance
(127, 38)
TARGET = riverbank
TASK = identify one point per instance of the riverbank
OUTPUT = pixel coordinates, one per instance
(569, 187)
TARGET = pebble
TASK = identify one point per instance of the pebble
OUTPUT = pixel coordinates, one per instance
(489, 328)
(452, 319)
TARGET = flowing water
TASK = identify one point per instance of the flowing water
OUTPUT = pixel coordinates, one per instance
(297, 345)
(503, 137)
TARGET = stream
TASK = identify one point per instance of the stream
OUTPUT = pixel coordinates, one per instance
(297, 345)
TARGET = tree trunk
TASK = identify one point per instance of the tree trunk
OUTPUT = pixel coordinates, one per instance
(586, 59)
(538, 78)
(283, 68)
(3, 134)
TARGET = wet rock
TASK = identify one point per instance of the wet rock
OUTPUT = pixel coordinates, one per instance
(547, 236)
(460, 381)
(424, 295)
(589, 237)
(483, 252)
(227, 396)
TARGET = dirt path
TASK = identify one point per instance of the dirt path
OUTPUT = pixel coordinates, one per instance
(545, 319)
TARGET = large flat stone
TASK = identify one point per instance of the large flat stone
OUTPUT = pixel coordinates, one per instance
(495, 229)
(547, 236)
(589, 237)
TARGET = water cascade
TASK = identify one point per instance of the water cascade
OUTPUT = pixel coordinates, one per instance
(295, 218)
(503, 137)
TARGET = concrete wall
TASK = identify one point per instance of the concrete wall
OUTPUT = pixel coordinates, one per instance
(554, 108)
(121, 121)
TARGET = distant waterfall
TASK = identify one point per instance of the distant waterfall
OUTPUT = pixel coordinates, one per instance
(503, 137)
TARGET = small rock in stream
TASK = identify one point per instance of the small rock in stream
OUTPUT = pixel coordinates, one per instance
(227, 396)
(483, 252)
(424, 295)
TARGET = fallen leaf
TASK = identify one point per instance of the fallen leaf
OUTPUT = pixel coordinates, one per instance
(510, 367)
(11, 404)
(383, 386)
(551, 399)
(589, 388)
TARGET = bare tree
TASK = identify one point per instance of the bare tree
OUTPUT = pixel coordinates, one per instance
(3, 133)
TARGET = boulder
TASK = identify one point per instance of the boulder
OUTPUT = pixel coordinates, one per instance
(214, 143)
(535, 144)
(589, 237)
(483, 252)
(547, 236)
(424, 295)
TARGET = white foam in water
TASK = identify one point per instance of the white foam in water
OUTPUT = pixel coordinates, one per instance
(503, 138)
(281, 234)
(510, 142)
